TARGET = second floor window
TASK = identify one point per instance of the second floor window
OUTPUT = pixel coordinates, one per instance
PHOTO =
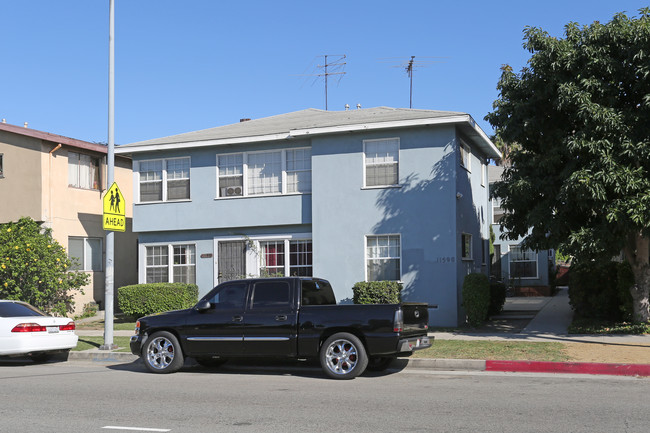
(264, 173)
(2, 173)
(164, 179)
(381, 162)
(83, 171)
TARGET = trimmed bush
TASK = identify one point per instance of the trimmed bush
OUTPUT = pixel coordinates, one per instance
(497, 298)
(601, 290)
(377, 292)
(476, 298)
(144, 299)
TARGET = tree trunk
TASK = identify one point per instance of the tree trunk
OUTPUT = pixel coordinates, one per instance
(638, 255)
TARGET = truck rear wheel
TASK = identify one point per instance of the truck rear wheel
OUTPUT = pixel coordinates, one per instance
(343, 356)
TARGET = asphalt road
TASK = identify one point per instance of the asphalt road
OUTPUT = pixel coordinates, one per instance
(87, 396)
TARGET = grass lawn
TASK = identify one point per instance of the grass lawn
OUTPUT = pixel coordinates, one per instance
(495, 350)
(86, 343)
(117, 325)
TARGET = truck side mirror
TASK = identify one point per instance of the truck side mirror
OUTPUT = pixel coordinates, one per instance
(203, 306)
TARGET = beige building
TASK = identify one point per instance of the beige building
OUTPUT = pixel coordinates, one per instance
(60, 181)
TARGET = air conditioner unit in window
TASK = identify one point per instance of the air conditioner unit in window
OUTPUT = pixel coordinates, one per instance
(231, 191)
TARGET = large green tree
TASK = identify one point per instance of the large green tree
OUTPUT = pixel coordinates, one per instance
(579, 113)
(35, 268)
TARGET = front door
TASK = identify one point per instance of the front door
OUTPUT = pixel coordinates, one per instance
(219, 330)
(231, 260)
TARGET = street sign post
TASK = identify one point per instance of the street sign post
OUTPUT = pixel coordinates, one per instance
(114, 216)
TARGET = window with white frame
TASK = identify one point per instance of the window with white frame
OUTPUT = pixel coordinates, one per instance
(298, 170)
(273, 260)
(497, 211)
(264, 173)
(523, 262)
(164, 179)
(465, 156)
(285, 171)
(383, 258)
(86, 253)
(173, 263)
(381, 162)
(466, 246)
(231, 175)
(483, 173)
(83, 171)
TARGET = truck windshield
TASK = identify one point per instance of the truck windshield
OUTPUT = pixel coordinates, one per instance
(317, 292)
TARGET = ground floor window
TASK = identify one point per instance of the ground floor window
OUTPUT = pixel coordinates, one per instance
(383, 258)
(466, 246)
(86, 253)
(523, 262)
(173, 263)
(273, 258)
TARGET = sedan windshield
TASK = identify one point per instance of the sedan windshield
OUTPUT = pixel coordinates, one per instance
(15, 309)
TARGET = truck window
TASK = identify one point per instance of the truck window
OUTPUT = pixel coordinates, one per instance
(271, 294)
(232, 295)
(317, 292)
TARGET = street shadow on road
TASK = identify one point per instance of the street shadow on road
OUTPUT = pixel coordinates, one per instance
(265, 367)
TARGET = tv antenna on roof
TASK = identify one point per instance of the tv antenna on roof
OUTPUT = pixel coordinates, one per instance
(410, 66)
(334, 67)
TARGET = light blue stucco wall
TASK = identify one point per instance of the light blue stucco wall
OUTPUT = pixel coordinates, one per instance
(472, 217)
(542, 262)
(422, 211)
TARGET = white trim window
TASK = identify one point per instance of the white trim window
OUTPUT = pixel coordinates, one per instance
(298, 170)
(286, 171)
(231, 174)
(164, 179)
(181, 267)
(86, 253)
(383, 258)
(523, 263)
(497, 211)
(264, 173)
(273, 257)
(381, 162)
(483, 173)
(465, 156)
(466, 246)
(83, 171)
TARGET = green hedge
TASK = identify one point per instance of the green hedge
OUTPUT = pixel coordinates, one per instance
(600, 290)
(144, 299)
(476, 298)
(377, 292)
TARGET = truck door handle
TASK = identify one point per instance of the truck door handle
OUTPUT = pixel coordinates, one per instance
(281, 318)
(237, 318)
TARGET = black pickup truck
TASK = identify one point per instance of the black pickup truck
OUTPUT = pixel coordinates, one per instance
(282, 317)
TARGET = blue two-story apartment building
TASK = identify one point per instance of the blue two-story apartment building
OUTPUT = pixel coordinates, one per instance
(368, 194)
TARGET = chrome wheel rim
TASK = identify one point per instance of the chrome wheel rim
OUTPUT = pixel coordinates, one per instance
(160, 353)
(341, 356)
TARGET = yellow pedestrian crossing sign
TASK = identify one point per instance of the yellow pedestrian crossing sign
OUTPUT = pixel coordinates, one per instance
(114, 205)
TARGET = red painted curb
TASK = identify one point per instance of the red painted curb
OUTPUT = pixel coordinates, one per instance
(569, 367)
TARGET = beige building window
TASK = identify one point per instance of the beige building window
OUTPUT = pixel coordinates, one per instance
(85, 253)
(83, 171)
(2, 172)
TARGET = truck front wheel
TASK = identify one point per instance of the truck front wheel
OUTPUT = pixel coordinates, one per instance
(343, 356)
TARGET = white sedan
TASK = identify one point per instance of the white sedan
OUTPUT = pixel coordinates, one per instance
(25, 330)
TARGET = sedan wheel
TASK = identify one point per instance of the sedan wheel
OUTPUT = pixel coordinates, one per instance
(343, 356)
(162, 353)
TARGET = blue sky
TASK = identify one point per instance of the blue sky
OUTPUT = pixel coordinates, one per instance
(188, 65)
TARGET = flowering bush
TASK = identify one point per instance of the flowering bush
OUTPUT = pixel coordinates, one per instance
(35, 268)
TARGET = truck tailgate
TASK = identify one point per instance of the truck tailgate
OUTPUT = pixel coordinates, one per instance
(416, 318)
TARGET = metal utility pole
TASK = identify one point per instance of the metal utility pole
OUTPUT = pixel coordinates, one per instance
(110, 240)
(409, 71)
